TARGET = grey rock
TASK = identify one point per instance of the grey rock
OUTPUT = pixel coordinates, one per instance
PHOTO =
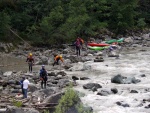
(15, 91)
(84, 78)
(91, 85)
(11, 82)
(54, 98)
(32, 87)
(75, 78)
(143, 75)
(8, 73)
(43, 60)
(51, 74)
(104, 92)
(133, 91)
(13, 109)
(117, 79)
(63, 83)
(61, 73)
(98, 60)
(114, 90)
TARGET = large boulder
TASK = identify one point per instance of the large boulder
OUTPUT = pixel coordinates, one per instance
(43, 60)
(91, 86)
(63, 83)
(117, 79)
(54, 98)
(128, 40)
(8, 73)
(40, 95)
(124, 80)
(32, 87)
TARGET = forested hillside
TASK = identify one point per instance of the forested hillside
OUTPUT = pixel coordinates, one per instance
(60, 21)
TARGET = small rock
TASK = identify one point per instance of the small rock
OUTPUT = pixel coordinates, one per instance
(143, 75)
(91, 85)
(114, 90)
(84, 78)
(133, 91)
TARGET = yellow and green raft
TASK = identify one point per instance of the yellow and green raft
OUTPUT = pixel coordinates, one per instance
(97, 48)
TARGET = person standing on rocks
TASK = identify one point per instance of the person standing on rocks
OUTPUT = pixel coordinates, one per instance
(57, 58)
(30, 61)
(21, 83)
(25, 87)
(43, 76)
(78, 47)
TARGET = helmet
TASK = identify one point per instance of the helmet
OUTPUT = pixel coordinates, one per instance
(30, 54)
(60, 56)
(43, 65)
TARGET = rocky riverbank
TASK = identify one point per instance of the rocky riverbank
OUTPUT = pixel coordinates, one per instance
(107, 84)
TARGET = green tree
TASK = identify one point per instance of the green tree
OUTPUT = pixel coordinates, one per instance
(4, 23)
(122, 14)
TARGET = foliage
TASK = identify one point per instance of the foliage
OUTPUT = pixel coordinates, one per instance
(69, 99)
(17, 103)
(81, 110)
(61, 21)
(46, 111)
(4, 23)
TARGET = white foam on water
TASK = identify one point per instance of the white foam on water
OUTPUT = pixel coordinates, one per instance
(129, 65)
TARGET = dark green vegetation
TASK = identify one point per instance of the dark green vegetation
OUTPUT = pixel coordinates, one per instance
(61, 21)
(70, 101)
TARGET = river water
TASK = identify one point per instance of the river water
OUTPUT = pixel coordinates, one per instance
(132, 63)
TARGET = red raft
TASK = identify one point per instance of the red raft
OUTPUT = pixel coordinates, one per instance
(98, 44)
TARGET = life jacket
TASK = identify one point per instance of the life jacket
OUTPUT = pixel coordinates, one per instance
(43, 73)
(30, 59)
(81, 40)
(58, 58)
(77, 43)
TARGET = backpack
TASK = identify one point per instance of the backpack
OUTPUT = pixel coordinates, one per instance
(44, 73)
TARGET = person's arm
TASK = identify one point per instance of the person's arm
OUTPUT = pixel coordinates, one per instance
(61, 59)
(33, 60)
(27, 59)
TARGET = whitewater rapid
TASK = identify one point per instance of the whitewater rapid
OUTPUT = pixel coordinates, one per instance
(131, 63)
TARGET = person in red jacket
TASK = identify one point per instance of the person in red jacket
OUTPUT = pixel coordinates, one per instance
(30, 61)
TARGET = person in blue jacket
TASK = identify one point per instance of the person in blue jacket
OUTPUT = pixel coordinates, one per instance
(21, 83)
(43, 76)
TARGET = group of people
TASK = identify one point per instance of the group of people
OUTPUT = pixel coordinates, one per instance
(43, 73)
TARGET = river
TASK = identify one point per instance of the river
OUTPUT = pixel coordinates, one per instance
(133, 62)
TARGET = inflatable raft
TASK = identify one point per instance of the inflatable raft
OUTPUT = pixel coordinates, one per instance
(114, 40)
(98, 44)
(97, 48)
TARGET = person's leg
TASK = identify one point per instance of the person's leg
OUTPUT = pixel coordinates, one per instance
(22, 90)
(42, 84)
(54, 63)
(45, 84)
(79, 51)
(25, 93)
(57, 61)
(31, 67)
